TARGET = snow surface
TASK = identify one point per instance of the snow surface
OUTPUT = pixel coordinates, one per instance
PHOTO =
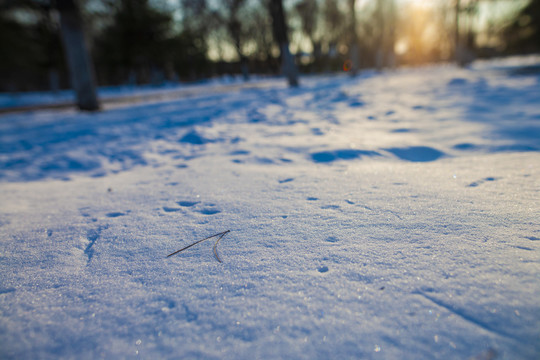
(111, 93)
(391, 216)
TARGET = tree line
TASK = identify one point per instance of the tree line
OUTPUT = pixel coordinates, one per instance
(152, 41)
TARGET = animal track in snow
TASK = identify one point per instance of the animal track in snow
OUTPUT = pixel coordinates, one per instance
(204, 208)
(402, 130)
(190, 315)
(322, 269)
(330, 207)
(92, 235)
(209, 211)
(417, 153)
(115, 214)
(7, 290)
(480, 182)
(187, 203)
(466, 146)
(341, 154)
(194, 138)
(260, 160)
(522, 247)
(240, 152)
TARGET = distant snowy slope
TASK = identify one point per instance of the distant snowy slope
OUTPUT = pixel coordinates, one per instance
(391, 216)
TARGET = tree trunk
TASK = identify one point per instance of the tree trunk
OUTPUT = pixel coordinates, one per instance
(244, 67)
(379, 53)
(354, 51)
(78, 59)
(391, 36)
(279, 27)
(235, 30)
(457, 47)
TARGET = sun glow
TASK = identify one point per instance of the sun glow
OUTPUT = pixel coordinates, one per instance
(401, 47)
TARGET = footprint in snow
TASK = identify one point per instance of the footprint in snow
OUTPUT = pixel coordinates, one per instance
(205, 209)
(194, 138)
(285, 180)
(402, 130)
(263, 160)
(170, 209)
(322, 269)
(187, 203)
(341, 154)
(190, 315)
(522, 247)
(330, 207)
(239, 152)
(209, 211)
(114, 214)
(457, 81)
(6, 290)
(417, 153)
(92, 236)
(466, 146)
(480, 182)
(356, 103)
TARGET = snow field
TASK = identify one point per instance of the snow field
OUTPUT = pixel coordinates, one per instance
(392, 216)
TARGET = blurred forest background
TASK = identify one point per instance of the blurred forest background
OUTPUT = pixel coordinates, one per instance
(155, 41)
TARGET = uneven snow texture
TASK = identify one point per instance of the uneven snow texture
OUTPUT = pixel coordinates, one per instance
(391, 216)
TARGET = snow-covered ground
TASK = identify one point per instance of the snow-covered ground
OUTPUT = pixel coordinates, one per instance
(165, 90)
(391, 216)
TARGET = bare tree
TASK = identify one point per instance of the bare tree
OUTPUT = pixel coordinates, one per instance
(279, 26)
(76, 50)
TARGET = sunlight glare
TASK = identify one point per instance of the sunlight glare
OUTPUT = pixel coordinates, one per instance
(401, 47)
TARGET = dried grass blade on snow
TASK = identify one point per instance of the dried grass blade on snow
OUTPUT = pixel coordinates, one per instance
(221, 234)
(215, 245)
